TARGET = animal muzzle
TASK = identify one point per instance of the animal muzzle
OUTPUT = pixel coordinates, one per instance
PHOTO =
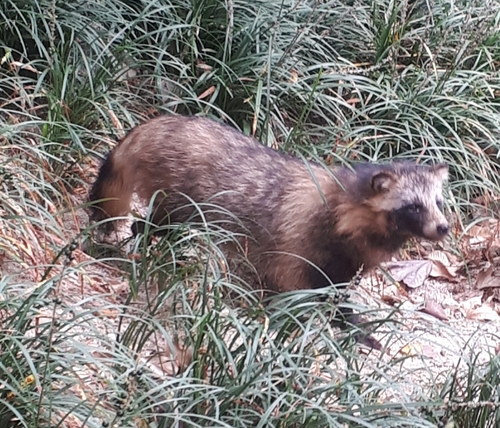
(436, 230)
(442, 230)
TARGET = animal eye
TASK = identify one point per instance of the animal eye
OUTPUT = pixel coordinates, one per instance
(440, 205)
(413, 208)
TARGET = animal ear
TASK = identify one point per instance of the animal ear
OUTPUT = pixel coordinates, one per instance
(382, 181)
(440, 170)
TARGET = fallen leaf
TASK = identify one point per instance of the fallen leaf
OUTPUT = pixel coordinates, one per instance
(483, 313)
(472, 303)
(439, 270)
(412, 272)
(485, 279)
(394, 294)
(435, 309)
(412, 349)
(203, 66)
(207, 93)
(479, 233)
(442, 267)
(390, 299)
(20, 65)
(439, 256)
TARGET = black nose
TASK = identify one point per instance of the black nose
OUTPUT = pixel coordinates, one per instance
(442, 229)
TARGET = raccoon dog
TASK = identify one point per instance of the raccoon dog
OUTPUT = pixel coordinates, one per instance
(338, 219)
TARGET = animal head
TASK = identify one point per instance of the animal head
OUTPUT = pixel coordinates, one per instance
(411, 194)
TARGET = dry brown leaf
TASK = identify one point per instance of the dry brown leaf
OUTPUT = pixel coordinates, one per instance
(207, 93)
(471, 304)
(412, 272)
(391, 300)
(205, 67)
(485, 279)
(479, 233)
(435, 309)
(483, 313)
(439, 270)
(20, 65)
(444, 265)
(439, 256)
(117, 124)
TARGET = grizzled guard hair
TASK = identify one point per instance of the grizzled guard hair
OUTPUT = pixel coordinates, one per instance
(338, 219)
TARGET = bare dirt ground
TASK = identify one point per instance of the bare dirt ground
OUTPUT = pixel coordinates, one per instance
(448, 303)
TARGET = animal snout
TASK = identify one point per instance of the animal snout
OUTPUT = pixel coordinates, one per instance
(442, 229)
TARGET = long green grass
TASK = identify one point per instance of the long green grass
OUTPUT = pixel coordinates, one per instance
(331, 80)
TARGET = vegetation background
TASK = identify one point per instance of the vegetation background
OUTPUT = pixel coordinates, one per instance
(336, 81)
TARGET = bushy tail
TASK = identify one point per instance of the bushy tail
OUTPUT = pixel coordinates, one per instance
(112, 192)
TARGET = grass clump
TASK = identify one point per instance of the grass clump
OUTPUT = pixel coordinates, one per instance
(186, 358)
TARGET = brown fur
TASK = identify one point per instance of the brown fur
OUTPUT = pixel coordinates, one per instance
(338, 220)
